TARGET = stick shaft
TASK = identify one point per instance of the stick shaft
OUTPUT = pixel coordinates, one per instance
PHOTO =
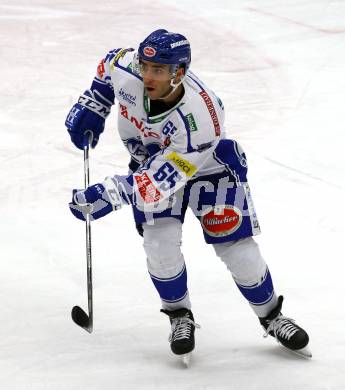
(88, 239)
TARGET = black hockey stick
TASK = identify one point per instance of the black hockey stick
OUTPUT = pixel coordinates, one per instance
(78, 314)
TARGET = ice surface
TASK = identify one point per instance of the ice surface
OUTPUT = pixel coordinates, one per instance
(279, 68)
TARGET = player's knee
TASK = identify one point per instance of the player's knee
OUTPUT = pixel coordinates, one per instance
(162, 244)
(243, 259)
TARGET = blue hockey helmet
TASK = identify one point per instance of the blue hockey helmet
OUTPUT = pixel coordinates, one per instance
(165, 47)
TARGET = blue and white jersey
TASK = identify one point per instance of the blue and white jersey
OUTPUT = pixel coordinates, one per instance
(171, 148)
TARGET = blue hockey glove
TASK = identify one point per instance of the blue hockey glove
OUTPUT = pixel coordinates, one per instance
(97, 200)
(88, 115)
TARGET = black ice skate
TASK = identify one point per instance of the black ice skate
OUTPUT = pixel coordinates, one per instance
(286, 331)
(181, 338)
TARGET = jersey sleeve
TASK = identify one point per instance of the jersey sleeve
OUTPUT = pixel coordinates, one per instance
(150, 188)
(102, 88)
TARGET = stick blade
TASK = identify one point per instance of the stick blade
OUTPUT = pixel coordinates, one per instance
(81, 318)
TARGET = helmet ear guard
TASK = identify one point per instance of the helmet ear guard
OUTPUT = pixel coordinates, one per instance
(174, 74)
(173, 85)
(175, 68)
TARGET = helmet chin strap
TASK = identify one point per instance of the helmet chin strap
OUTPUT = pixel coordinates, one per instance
(173, 88)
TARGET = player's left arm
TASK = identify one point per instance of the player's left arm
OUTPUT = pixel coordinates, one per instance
(150, 188)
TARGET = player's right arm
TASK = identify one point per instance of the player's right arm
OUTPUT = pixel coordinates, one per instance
(93, 106)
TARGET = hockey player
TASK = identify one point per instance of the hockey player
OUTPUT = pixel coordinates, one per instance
(173, 127)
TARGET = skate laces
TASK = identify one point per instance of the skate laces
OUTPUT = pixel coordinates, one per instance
(181, 328)
(281, 326)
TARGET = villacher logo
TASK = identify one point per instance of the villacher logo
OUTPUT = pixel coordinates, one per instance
(220, 221)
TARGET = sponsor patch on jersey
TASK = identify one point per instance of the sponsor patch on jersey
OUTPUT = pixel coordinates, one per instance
(147, 190)
(220, 221)
(212, 111)
(100, 69)
(139, 124)
(182, 164)
(149, 51)
(191, 122)
(129, 98)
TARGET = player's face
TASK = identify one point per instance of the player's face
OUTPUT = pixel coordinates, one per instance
(156, 78)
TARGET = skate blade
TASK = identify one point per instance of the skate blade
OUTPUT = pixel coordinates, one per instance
(186, 359)
(304, 352)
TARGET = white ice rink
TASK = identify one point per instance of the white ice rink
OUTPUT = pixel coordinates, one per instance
(279, 68)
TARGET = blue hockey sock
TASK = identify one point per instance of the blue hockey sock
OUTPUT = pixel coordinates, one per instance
(261, 296)
(174, 289)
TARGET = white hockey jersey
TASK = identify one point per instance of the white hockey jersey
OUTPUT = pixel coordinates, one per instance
(171, 148)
